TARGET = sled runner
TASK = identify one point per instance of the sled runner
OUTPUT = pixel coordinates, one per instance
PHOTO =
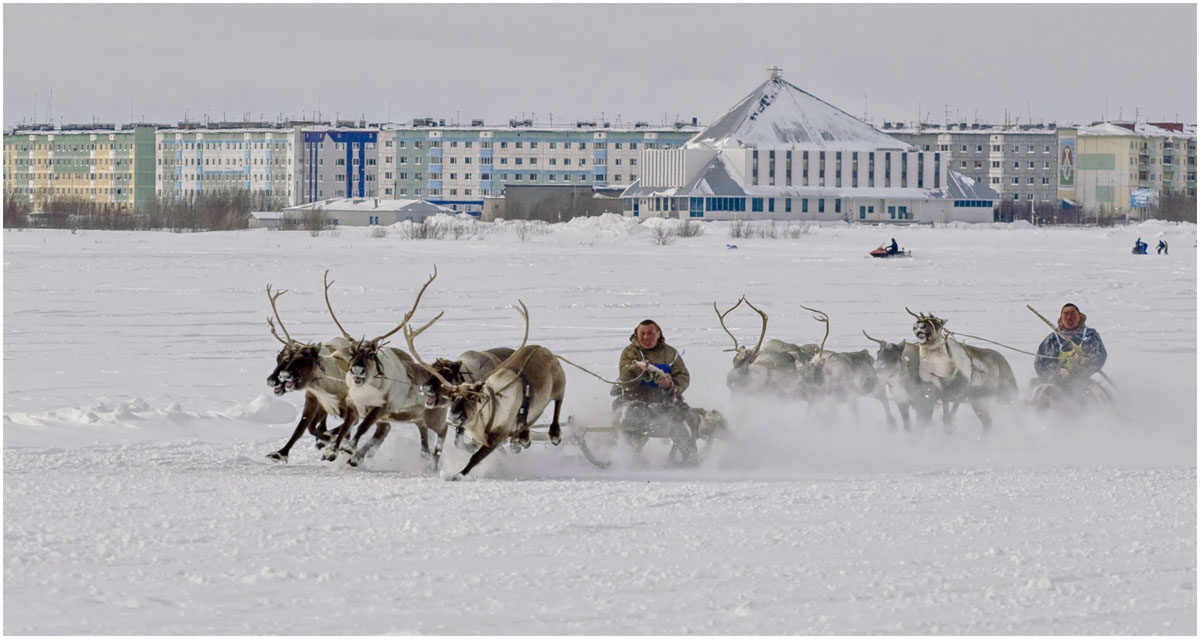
(646, 431)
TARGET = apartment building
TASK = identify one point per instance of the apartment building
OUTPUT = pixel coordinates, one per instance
(1018, 162)
(458, 166)
(99, 164)
(1103, 166)
(339, 162)
(259, 158)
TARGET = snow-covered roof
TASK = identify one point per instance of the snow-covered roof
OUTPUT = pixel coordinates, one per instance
(1140, 129)
(368, 204)
(961, 187)
(779, 114)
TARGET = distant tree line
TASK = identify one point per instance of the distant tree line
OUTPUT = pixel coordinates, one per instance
(218, 211)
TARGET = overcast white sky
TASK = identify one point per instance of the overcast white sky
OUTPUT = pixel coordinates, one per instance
(576, 61)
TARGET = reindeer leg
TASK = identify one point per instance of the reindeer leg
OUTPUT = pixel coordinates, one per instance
(947, 417)
(381, 431)
(331, 452)
(312, 411)
(887, 409)
(555, 429)
(479, 456)
(424, 430)
(985, 416)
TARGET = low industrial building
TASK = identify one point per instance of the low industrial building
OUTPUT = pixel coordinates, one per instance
(350, 212)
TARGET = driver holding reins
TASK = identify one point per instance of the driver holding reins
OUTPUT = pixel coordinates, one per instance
(649, 399)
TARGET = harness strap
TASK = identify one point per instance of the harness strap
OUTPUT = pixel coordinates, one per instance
(526, 396)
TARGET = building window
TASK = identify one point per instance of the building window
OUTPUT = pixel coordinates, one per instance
(821, 205)
(787, 203)
(804, 205)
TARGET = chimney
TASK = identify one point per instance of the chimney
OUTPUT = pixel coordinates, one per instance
(376, 202)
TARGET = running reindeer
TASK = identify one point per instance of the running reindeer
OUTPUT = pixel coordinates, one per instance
(767, 368)
(384, 383)
(956, 372)
(841, 378)
(897, 364)
(471, 366)
(501, 407)
(314, 369)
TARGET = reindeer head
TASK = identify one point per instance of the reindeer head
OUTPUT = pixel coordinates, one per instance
(297, 363)
(888, 356)
(466, 400)
(928, 329)
(443, 369)
(365, 364)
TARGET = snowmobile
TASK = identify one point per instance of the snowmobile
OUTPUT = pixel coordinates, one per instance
(882, 251)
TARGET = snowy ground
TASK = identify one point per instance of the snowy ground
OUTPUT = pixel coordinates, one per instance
(136, 416)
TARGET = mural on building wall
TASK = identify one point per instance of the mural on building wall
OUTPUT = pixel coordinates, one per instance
(1066, 162)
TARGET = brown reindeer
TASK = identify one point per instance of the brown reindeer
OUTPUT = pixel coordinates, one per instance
(384, 383)
(313, 369)
(956, 372)
(471, 366)
(501, 407)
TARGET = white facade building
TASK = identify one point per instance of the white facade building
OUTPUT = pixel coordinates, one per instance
(784, 154)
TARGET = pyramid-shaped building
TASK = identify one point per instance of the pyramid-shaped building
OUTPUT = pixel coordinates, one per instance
(782, 153)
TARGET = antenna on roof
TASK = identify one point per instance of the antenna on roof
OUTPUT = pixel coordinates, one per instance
(775, 73)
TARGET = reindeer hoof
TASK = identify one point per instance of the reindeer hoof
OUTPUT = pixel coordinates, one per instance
(353, 461)
(321, 444)
(277, 457)
(555, 438)
(456, 477)
(329, 454)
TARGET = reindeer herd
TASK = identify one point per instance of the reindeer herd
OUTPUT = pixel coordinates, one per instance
(935, 369)
(491, 397)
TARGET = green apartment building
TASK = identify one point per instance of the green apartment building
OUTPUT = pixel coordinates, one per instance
(106, 166)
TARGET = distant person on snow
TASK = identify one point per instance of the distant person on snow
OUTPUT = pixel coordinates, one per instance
(1139, 247)
(649, 398)
(1162, 247)
(894, 248)
(1069, 365)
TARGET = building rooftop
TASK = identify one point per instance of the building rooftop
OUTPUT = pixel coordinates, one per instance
(778, 114)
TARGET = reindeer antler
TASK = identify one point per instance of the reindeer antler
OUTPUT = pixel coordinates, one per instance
(762, 334)
(276, 310)
(877, 341)
(721, 318)
(330, 307)
(409, 314)
(410, 335)
(824, 319)
(524, 314)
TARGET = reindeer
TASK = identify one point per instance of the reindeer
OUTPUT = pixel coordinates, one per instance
(897, 364)
(956, 372)
(501, 407)
(842, 377)
(471, 366)
(314, 369)
(769, 367)
(384, 383)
